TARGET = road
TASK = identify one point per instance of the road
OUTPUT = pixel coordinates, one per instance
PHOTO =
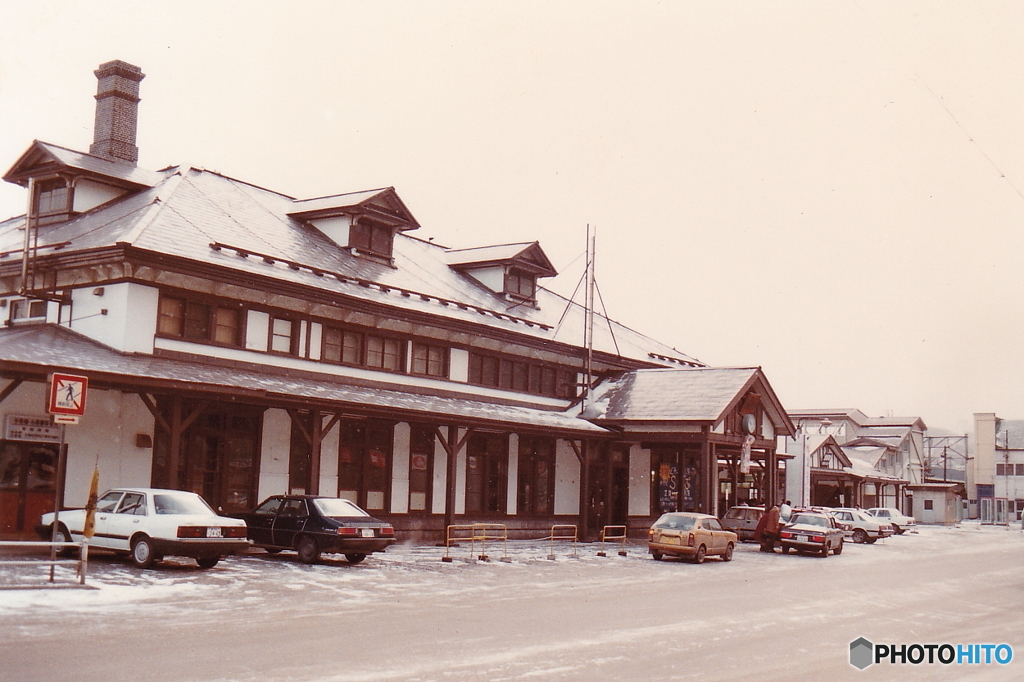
(408, 616)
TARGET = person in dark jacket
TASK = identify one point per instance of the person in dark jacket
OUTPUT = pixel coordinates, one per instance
(768, 530)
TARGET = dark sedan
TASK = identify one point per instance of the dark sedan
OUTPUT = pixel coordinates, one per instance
(312, 525)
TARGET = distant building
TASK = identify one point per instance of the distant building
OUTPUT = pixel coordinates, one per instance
(995, 475)
(240, 343)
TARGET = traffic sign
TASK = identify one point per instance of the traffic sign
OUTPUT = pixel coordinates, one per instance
(67, 394)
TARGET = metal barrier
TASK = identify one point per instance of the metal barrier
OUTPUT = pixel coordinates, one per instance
(82, 561)
(609, 533)
(561, 532)
(477, 532)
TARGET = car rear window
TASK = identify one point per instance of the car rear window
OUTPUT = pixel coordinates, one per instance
(809, 520)
(336, 506)
(169, 503)
(735, 513)
(675, 521)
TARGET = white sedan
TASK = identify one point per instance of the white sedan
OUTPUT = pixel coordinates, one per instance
(148, 523)
(900, 522)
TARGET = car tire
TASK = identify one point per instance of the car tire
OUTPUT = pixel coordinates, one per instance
(838, 550)
(309, 551)
(728, 553)
(860, 536)
(208, 561)
(355, 558)
(272, 550)
(64, 535)
(872, 541)
(824, 551)
(897, 530)
(143, 555)
(785, 549)
(701, 554)
(657, 556)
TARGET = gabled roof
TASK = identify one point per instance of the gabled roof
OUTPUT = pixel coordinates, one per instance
(829, 443)
(213, 221)
(383, 204)
(42, 158)
(526, 255)
(850, 413)
(702, 395)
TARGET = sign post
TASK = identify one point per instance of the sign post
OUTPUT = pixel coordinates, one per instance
(67, 404)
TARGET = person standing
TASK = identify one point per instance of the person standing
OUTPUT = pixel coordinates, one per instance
(785, 511)
(770, 535)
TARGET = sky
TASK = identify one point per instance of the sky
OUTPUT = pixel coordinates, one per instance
(831, 191)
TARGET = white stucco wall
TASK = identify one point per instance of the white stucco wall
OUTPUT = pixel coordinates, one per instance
(130, 321)
(257, 330)
(89, 194)
(460, 475)
(512, 497)
(274, 458)
(639, 481)
(440, 477)
(104, 436)
(400, 469)
(329, 459)
(567, 479)
(458, 365)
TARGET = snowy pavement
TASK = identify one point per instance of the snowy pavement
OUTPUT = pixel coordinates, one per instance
(408, 615)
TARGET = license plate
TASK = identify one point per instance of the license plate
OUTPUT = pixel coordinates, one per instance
(366, 532)
(801, 538)
(214, 532)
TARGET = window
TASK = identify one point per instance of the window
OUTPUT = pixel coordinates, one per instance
(198, 321)
(520, 284)
(1001, 469)
(421, 460)
(928, 504)
(536, 475)
(53, 201)
(520, 375)
(429, 360)
(341, 345)
(24, 309)
(281, 335)
(372, 237)
(364, 460)
(1020, 470)
(486, 473)
(384, 353)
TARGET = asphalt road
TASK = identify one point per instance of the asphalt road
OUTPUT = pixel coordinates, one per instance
(408, 616)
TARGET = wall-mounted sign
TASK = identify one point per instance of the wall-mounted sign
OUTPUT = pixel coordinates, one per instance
(67, 394)
(32, 429)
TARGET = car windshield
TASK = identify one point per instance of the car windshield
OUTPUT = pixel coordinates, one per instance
(336, 506)
(675, 521)
(809, 520)
(180, 503)
(735, 513)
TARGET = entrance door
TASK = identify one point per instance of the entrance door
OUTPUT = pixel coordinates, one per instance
(28, 480)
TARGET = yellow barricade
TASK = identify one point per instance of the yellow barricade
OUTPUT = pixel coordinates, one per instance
(611, 534)
(562, 532)
(477, 532)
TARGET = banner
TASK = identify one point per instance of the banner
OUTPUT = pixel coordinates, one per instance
(90, 506)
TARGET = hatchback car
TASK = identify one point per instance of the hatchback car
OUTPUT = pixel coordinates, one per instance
(149, 523)
(900, 521)
(690, 535)
(865, 528)
(742, 520)
(312, 525)
(812, 532)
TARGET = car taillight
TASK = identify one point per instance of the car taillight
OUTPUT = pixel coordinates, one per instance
(387, 530)
(234, 531)
(191, 531)
(691, 540)
(818, 538)
(345, 530)
(786, 534)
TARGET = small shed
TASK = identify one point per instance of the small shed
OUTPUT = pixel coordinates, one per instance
(937, 502)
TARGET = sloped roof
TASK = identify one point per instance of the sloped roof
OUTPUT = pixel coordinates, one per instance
(214, 220)
(528, 255)
(383, 202)
(44, 153)
(56, 348)
(700, 395)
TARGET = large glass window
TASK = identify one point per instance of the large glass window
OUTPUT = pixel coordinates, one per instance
(521, 375)
(53, 201)
(384, 353)
(536, 475)
(421, 460)
(364, 460)
(486, 473)
(429, 360)
(198, 321)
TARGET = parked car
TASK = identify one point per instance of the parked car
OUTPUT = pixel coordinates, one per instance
(742, 520)
(812, 532)
(690, 535)
(864, 526)
(150, 523)
(900, 521)
(311, 525)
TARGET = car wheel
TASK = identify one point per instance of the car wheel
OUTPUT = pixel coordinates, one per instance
(702, 552)
(208, 561)
(785, 549)
(824, 551)
(355, 558)
(860, 536)
(143, 555)
(728, 553)
(272, 550)
(308, 550)
(872, 541)
(657, 556)
(838, 550)
(63, 535)
(896, 529)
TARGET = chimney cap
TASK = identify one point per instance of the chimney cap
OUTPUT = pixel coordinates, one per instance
(120, 68)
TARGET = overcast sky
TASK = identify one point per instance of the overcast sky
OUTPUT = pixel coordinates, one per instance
(831, 190)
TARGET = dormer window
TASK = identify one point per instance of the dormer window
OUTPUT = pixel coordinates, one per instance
(371, 237)
(520, 284)
(52, 201)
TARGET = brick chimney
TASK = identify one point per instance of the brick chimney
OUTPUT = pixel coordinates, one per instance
(117, 111)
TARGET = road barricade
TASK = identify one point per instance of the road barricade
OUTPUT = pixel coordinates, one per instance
(564, 533)
(82, 562)
(613, 534)
(476, 532)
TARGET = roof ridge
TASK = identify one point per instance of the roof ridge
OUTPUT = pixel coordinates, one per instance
(163, 193)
